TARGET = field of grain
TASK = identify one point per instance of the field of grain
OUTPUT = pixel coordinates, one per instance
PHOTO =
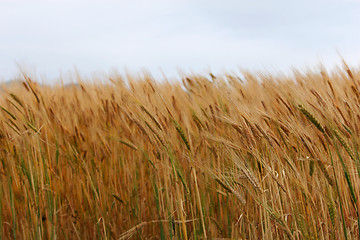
(250, 157)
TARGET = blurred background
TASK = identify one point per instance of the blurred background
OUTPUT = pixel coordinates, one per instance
(52, 39)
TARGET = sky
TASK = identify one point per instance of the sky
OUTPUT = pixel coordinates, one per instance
(53, 38)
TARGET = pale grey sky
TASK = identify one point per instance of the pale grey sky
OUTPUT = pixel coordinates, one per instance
(56, 36)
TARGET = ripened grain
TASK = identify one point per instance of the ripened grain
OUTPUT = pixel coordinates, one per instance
(252, 157)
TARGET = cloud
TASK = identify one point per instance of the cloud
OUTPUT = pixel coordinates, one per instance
(92, 35)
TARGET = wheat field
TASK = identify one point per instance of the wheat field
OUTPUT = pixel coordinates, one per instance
(209, 157)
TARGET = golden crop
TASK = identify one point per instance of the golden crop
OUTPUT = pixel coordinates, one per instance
(256, 157)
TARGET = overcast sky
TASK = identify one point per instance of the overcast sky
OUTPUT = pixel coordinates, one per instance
(53, 37)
